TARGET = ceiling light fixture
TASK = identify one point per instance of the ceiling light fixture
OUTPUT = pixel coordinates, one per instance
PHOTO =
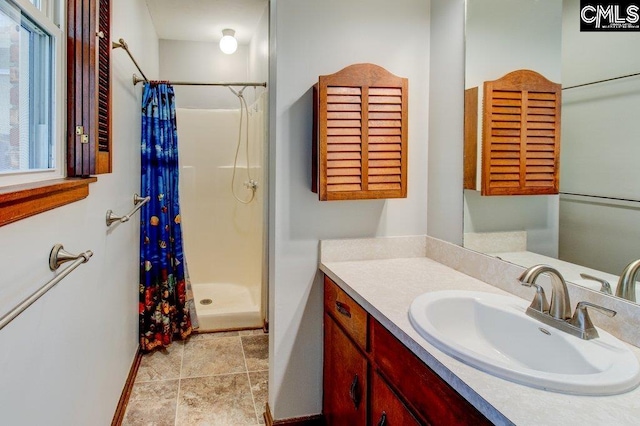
(228, 43)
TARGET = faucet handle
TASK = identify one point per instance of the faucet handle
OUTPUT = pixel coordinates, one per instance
(539, 302)
(582, 321)
(605, 287)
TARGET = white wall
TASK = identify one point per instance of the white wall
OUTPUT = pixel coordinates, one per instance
(65, 360)
(599, 147)
(504, 36)
(259, 55)
(202, 62)
(537, 215)
(508, 35)
(313, 38)
(446, 104)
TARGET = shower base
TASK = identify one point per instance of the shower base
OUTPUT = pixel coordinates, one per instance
(225, 306)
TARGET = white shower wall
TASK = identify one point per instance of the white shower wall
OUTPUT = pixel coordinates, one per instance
(222, 237)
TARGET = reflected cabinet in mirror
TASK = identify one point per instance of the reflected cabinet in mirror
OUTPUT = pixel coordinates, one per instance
(590, 229)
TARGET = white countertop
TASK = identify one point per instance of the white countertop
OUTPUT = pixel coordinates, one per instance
(386, 288)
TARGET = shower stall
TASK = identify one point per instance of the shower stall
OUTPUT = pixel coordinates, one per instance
(224, 226)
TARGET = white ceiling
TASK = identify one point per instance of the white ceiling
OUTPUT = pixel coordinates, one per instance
(204, 20)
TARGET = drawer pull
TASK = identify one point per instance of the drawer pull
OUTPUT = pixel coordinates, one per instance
(344, 309)
(383, 419)
(353, 392)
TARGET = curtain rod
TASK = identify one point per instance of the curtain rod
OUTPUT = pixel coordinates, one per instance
(123, 44)
(137, 80)
(601, 81)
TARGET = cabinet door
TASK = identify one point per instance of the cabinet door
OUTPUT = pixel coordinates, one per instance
(345, 378)
(434, 400)
(386, 408)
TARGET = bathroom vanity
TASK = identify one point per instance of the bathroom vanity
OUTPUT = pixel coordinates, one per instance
(370, 374)
(378, 370)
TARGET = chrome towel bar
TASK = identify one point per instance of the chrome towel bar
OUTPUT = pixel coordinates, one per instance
(57, 257)
(138, 202)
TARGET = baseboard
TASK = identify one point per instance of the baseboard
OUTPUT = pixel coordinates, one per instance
(126, 392)
(315, 420)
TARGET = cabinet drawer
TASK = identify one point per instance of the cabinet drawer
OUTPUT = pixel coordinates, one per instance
(423, 389)
(346, 312)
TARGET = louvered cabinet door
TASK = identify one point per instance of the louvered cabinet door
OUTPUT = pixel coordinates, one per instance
(362, 132)
(103, 77)
(521, 135)
(88, 88)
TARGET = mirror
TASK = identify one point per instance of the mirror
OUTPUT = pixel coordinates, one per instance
(591, 227)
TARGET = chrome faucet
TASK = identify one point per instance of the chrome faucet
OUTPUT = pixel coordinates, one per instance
(627, 281)
(560, 306)
(558, 313)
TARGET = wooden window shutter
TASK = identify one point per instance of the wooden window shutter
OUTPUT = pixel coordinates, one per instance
(88, 87)
(521, 135)
(360, 123)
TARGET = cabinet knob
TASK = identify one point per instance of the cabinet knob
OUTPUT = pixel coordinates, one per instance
(354, 393)
(383, 419)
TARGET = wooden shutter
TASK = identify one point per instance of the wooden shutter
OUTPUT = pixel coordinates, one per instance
(104, 88)
(521, 135)
(88, 91)
(361, 126)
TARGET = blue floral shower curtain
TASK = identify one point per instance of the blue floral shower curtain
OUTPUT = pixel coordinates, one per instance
(165, 308)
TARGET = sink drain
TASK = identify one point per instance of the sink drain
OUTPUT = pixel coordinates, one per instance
(206, 301)
(544, 330)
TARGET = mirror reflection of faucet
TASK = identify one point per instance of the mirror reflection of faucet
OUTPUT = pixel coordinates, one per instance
(627, 282)
(605, 287)
(557, 313)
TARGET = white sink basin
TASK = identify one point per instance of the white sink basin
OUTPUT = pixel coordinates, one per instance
(492, 333)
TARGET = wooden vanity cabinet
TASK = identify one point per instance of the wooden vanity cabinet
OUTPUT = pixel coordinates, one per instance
(345, 378)
(386, 407)
(371, 378)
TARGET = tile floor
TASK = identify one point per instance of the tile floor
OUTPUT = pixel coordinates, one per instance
(211, 379)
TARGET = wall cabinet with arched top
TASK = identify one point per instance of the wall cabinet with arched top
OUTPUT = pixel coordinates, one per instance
(520, 126)
(360, 134)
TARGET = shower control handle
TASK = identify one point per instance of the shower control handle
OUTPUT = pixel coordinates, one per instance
(251, 184)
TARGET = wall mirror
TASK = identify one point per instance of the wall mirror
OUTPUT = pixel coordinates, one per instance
(592, 226)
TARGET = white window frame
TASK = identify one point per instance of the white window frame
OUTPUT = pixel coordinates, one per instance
(51, 19)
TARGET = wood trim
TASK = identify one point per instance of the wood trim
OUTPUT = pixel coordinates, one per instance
(470, 137)
(313, 420)
(314, 141)
(22, 201)
(118, 416)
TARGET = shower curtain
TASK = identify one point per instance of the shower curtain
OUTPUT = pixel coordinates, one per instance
(165, 308)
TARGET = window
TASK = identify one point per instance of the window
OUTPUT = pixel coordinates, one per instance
(31, 122)
(88, 144)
